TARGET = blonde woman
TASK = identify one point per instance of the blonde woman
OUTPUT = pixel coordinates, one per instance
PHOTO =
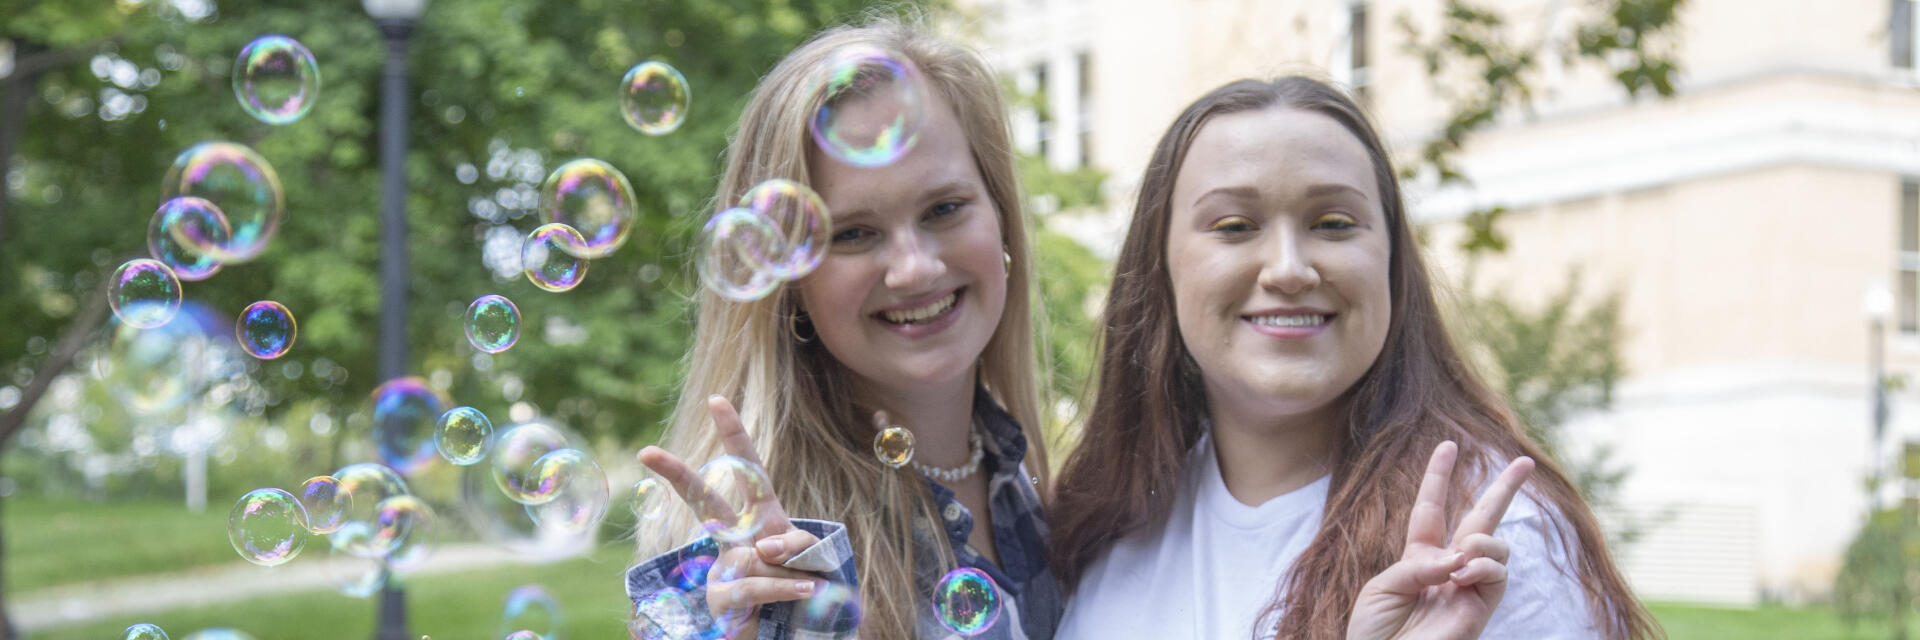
(922, 309)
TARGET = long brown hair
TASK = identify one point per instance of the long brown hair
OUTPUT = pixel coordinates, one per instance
(1150, 405)
(795, 398)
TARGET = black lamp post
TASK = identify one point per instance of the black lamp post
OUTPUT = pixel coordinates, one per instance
(397, 19)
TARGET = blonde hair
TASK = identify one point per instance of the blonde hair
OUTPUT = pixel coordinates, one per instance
(794, 398)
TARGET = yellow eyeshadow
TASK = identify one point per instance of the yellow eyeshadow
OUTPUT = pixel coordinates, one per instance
(1335, 217)
(1226, 222)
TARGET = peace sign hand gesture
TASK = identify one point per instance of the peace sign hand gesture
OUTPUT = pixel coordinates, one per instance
(1442, 590)
(744, 576)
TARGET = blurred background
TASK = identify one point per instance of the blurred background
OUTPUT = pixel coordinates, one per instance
(1682, 237)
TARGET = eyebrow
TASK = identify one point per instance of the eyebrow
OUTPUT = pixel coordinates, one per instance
(1244, 192)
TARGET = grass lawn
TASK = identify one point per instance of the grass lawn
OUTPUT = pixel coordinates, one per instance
(1771, 622)
(460, 606)
(51, 543)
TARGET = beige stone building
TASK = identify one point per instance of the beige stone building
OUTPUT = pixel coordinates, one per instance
(1742, 222)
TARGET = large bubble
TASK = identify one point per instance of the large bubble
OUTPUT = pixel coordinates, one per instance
(363, 489)
(276, 79)
(596, 200)
(871, 106)
(653, 98)
(550, 257)
(268, 527)
(325, 505)
(143, 631)
(516, 463)
(493, 323)
(730, 498)
(187, 216)
(967, 601)
(405, 414)
(507, 523)
(463, 436)
(531, 608)
(244, 187)
(726, 248)
(801, 221)
(581, 501)
(144, 293)
(266, 329)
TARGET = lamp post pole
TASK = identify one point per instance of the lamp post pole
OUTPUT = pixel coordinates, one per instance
(392, 623)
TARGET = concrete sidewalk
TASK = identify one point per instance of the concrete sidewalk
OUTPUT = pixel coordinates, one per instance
(88, 601)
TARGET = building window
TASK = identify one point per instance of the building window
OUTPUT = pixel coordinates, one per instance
(1900, 33)
(1349, 65)
(1045, 119)
(1083, 67)
(1907, 297)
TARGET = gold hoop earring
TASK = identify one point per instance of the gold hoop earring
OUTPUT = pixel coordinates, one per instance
(794, 320)
(1007, 259)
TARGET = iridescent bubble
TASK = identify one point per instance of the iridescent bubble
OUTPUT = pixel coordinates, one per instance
(650, 498)
(692, 574)
(363, 488)
(505, 523)
(218, 634)
(729, 498)
(268, 527)
(726, 247)
(422, 533)
(463, 436)
(324, 503)
(162, 369)
(523, 634)
(144, 293)
(276, 79)
(405, 412)
(532, 609)
(893, 444)
(266, 329)
(493, 323)
(548, 256)
(582, 497)
(871, 106)
(191, 217)
(653, 98)
(967, 601)
(143, 631)
(832, 612)
(241, 184)
(397, 519)
(515, 462)
(801, 221)
(596, 200)
(662, 615)
(354, 574)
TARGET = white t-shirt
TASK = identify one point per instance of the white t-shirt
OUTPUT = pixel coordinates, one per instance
(1212, 567)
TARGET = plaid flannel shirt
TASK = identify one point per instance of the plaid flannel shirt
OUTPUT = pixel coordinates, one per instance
(1031, 599)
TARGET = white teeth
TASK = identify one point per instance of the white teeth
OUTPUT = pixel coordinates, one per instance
(1290, 321)
(921, 314)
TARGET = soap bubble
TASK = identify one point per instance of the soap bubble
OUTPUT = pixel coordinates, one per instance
(268, 527)
(653, 98)
(143, 631)
(351, 573)
(967, 601)
(463, 436)
(266, 329)
(144, 293)
(405, 412)
(157, 371)
(190, 217)
(523, 634)
(549, 257)
(596, 200)
(363, 488)
(871, 106)
(893, 444)
(531, 608)
(238, 181)
(667, 614)
(218, 634)
(276, 79)
(692, 574)
(726, 247)
(730, 498)
(515, 462)
(650, 498)
(800, 220)
(325, 505)
(581, 500)
(493, 323)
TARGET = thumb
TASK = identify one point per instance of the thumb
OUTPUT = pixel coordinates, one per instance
(1410, 575)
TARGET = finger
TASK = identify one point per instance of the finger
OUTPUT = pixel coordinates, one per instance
(747, 593)
(1481, 545)
(777, 549)
(1492, 505)
(1480, 572)
(1427, 523)
(1410, 575)
(742, 562)
(734, 438)
(684, 481)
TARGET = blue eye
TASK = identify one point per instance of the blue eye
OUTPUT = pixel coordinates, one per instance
(945, 209)
(851, 235)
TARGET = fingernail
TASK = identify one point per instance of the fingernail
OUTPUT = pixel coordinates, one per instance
(1452, 558)
(715, 398)
(803, 587)
(772, 546)
(1462, 573)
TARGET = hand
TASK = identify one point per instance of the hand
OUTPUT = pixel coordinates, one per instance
(1440, 590)
(745, 576)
